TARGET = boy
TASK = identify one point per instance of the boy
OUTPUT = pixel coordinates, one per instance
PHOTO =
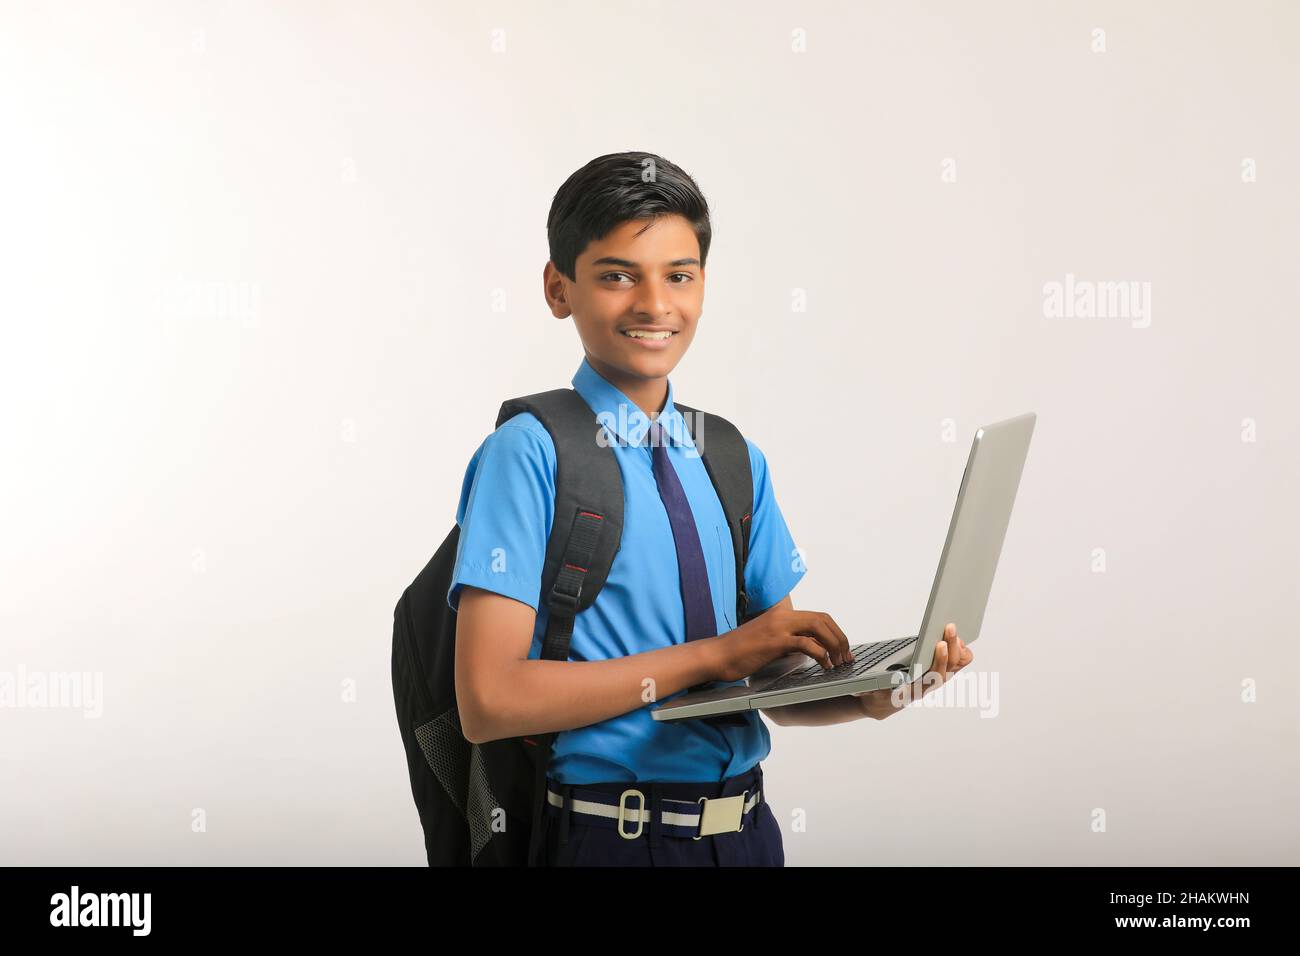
(629, 234)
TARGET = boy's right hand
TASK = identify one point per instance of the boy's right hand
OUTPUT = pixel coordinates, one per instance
(775, 633)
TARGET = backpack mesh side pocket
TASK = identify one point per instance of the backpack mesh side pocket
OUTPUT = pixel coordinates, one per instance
(444, 748)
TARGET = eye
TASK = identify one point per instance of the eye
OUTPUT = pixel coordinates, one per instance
(686, 274)
(610, 274)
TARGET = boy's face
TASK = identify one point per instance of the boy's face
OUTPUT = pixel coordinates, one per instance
(651, 281)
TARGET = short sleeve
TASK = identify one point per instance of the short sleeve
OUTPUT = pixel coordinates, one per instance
(774, 566)
(506, 508)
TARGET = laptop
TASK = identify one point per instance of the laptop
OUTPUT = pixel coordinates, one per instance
(959, 594)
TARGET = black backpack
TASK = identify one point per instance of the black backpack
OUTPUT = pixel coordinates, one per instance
(481, 804)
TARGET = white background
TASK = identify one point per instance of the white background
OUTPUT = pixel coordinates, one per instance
(253, 261)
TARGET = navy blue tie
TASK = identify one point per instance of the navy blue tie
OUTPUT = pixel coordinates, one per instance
(697, 599)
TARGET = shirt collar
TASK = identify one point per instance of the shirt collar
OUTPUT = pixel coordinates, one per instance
(621, 416)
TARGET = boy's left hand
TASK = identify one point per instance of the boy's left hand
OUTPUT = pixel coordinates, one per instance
(950, 656)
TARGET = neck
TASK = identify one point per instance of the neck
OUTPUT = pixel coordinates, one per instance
(648, 394)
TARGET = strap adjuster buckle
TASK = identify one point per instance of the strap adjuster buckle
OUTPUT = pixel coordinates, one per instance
(722, 815)
(563, 602)
(622, 806)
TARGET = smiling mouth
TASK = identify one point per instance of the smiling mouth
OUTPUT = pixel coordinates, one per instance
(644, 334)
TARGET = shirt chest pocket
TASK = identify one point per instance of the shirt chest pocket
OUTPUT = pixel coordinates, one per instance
(727, 561)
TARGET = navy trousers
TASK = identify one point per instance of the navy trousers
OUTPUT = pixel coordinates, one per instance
(595, 844)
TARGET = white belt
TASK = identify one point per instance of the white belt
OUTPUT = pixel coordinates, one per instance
(717, 815)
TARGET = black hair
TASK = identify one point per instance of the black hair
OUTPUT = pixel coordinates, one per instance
(613, 189)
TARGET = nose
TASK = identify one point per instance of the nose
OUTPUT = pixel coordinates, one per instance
(651, 302)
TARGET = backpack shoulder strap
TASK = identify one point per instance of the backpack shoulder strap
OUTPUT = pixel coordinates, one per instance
(584, 538)
(588, 520)
(726, 459)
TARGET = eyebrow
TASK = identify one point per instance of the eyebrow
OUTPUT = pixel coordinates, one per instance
(629, 264)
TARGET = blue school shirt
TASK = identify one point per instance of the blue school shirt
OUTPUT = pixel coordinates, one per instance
(507, 506)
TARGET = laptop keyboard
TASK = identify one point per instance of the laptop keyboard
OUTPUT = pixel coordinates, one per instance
(865, 657)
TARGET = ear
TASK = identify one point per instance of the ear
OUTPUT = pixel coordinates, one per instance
(553, 290)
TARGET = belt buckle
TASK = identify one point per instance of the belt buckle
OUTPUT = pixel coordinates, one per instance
(722, 815)
(622, 805)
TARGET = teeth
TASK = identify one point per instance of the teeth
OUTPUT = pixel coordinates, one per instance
(642, 334)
